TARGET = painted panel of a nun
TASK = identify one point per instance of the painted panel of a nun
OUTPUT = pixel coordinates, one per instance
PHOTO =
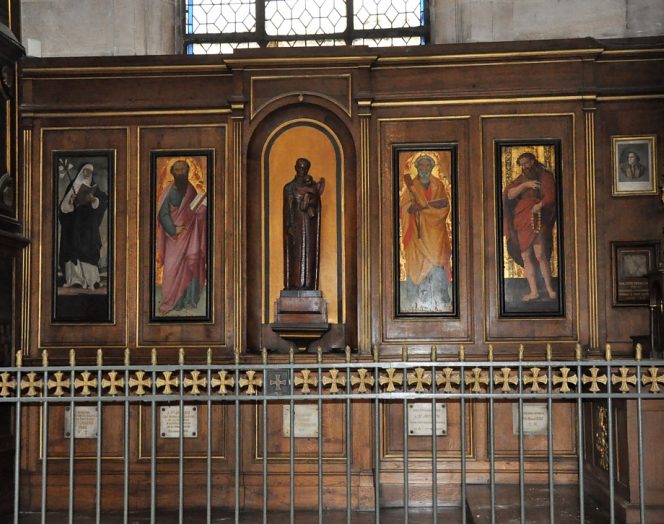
(83, 237)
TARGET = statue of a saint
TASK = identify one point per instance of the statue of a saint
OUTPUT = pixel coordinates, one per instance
(302, 213)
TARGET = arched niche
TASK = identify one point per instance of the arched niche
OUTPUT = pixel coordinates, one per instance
(281, 137)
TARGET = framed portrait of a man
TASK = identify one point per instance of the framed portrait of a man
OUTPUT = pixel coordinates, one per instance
(426, 225)
(181, 232)
(633, 161)
(83, 236)
(530, 249)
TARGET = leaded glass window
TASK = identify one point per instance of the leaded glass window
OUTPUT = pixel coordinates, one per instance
(221, 26)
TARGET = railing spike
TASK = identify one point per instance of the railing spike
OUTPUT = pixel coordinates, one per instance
(434, 353)
(291, 355)
(639, 351)
(375, 352)
(607, 352)
(404, 353)
(577, 351)
(462, 353)
(127, 357)
(521, 351)
(181, 356)
(153, 356)
(72, 357)
(100, 357)
(45, 358)
(208, 358)
(549, 353)
(347, 351)
(236, 355)
(319, 354)
(264, 355)
(490, 352)
(19, 358)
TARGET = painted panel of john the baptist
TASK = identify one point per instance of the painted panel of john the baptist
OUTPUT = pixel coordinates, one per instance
(530, 247)
(425, 177)
(181, 258)
(83, 236)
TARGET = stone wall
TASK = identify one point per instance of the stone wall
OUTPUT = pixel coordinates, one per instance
(146, 27)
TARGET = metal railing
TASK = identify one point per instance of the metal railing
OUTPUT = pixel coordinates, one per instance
(320, 380)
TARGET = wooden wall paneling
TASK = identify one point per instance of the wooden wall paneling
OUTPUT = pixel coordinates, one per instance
(562, 125)
(417, 128)
(627, 217)
(71, 138)
(176, 137)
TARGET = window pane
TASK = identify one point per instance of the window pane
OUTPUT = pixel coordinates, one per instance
(305, 17)
(386, 14)
(389, 42)
(218, 49)
(213, 16)
(307, 43)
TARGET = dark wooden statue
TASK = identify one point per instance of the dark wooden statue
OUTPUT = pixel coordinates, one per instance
(302, 214)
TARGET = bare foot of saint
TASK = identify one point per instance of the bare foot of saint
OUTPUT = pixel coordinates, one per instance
(552, 294)
(529, 297)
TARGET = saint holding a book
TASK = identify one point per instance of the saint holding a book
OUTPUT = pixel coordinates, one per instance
(181, 242)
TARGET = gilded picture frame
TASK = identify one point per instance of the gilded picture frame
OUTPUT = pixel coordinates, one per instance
(633, 165)
(426, 230)
(529, 241)
(83, 236)
(180, 235)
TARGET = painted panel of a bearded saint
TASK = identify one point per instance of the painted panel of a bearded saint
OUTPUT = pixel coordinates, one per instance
(530, 248)
(181, 225)
(425, 201)
(83, 236)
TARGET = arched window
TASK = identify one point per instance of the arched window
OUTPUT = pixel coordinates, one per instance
(221, 26)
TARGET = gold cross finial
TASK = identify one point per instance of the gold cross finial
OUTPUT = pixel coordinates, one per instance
(421, 378)
(334, 379)
(140, 381)
(624, 379)
(594, 379)
(167, 381)
(535, 377)
(112, 383)
(7, 384)
(251, 381)
(565, 379)
(85, 383)
(196, 381)
(446, 378)
(505, 377)
(224, 383)
(305, 378)
(362, 380)
(475, 378)
(391, 378)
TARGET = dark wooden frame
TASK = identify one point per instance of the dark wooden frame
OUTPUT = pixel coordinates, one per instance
(396, 177)
(109, 156)
(530, 313)
(651, 249)
(154, 156)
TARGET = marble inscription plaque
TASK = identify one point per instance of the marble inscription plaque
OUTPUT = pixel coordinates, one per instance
(85, 422)
(420, 419)
(169, 422)
(305, 421)
(534, 419)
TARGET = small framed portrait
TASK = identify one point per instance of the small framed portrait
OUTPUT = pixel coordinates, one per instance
(426, 224)
(83, 236)
(634, 165)
(180, 225)
(530, 248)
(631, 262)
